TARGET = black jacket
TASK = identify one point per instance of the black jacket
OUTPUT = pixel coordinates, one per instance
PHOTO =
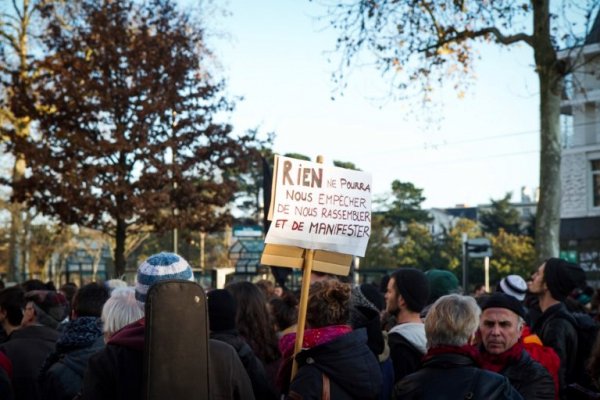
(115, 373)
(453, 377)
(351, 366)
(405, 356)
(555, 330)
(252, 364)
(530, 378)
(28, 348)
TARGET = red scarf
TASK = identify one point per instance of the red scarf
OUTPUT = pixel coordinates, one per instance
(312, 338)
(497, 362)
(466, 350)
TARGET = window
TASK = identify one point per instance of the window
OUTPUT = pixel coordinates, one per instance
(596, 183)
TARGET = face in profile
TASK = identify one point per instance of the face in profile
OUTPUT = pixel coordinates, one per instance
(391, 297)
(537, 285)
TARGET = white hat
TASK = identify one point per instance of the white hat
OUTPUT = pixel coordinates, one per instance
(514, 286)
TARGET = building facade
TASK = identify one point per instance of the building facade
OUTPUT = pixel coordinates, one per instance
(580, 164)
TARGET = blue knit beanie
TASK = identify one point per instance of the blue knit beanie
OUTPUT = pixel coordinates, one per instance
(160, 267)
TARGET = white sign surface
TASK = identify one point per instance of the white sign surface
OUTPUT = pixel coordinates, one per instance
(319, 207)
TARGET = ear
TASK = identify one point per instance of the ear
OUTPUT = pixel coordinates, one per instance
(400, 302)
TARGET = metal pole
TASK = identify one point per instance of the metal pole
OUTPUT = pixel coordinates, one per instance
(465, 279)
(486, 266)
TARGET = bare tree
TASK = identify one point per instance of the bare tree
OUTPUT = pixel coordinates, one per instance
(425, 42)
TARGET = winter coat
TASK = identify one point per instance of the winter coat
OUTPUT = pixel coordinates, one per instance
(352, 369)
(454, 376)
(555, 330)
(407, 347)
(116, 373)
(62, 373)
(252, 364)
(530, 378)
(28, 348)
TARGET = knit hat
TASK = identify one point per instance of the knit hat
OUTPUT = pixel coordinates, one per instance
(503, 300)
(412, 285)
(513, 285)
(367, 295)
(51, 307)
(441, 283)
(562, 277)
(221, 310)
(160, 267)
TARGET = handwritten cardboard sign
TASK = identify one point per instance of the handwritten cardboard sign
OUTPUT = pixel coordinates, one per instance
(319, 207)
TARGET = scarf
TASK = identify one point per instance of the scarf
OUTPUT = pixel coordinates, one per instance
(497, 362)
(312, 338)
(466, 350)
(79, 333)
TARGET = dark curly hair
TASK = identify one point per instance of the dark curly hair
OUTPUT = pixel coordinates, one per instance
(284, 310)
(328, 304)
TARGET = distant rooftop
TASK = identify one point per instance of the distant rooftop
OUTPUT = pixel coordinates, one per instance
(594, 35)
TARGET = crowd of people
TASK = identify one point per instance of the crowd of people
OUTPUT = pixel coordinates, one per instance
(415, 335)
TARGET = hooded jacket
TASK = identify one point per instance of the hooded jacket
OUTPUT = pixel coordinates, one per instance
(408, 345)
(352, 369)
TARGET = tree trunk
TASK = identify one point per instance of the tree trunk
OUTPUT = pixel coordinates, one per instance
(120, 236)
(551, 83)
(16, 226)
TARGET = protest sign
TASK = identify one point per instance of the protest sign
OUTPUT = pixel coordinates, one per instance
(318, 207)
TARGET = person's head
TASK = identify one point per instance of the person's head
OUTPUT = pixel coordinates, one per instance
(557, 278)
(441, 283)
(284, 310)
(253, 319)
(408, 290)
(112, 284)
(479, 290)
(160, 267)
(278, 291)
(267, 287)
(328, 304)
(513, 285)
(33, 284)
(89, 300)
(452, 321)
(501, 322)
(119, 310)
(221, 310)
(366, 303)
(68, 290)
(44, 307)
(12, 303)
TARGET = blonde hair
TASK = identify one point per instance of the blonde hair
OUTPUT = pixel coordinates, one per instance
(452, 321)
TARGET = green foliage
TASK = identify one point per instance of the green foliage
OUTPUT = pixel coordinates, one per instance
(513, 254)
(502, 215)
(380, 252)
(297, 156)
(417, 248)
(451, 251)
(346, 164)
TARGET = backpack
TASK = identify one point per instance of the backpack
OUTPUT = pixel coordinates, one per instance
(587, 330)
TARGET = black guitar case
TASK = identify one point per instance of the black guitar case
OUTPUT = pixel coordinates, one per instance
(176, 355)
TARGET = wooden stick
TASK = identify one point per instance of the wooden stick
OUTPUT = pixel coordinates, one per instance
(308, 261)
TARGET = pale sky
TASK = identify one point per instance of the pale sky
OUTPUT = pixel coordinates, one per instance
(486, 145)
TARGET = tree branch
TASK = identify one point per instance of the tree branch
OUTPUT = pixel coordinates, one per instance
(499, 36)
